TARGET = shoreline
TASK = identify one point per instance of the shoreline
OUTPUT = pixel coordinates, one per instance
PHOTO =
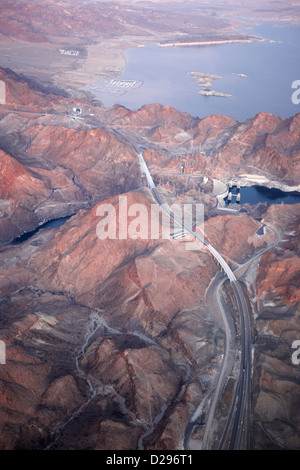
(221, 187)
(97, 65)
(248, 180)
(214, 93)
(213, 43)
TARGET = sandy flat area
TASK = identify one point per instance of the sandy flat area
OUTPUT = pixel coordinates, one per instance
(103, 60)
(44, 62)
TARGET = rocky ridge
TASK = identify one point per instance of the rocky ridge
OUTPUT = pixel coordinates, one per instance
(113, 336)
(276, 378)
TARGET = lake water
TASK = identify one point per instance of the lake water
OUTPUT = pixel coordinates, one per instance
(270, 69)
(256, 194)
(50, 224)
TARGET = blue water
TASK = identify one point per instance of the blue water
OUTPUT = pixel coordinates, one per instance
(270, 68)
(256, 194)
(50, 224)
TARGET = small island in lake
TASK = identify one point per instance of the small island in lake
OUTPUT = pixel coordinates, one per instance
(205, 81)
(214, 93)
(242, 75)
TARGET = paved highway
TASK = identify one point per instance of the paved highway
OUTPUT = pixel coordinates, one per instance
(229, 359)
(241, 403)
(239, 418)
(240, 408)
(236, 435)
(238, 425)
(156, 196)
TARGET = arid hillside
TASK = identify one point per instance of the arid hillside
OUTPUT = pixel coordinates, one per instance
(114, 336)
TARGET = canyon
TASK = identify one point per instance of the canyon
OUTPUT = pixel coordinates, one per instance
(112, 343)
(114, 336)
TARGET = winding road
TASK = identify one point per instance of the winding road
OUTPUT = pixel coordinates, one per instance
(236, 435)
(238, 424)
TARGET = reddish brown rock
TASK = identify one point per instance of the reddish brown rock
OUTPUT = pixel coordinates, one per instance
(278, 278)
(36, 22)
(279, 269)
(51, 170)
(256, 143)
(212, 127)
(276, 378)
(24, 94)
(234, 237)
(112, 335)
(110, 350)
(21, 191)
